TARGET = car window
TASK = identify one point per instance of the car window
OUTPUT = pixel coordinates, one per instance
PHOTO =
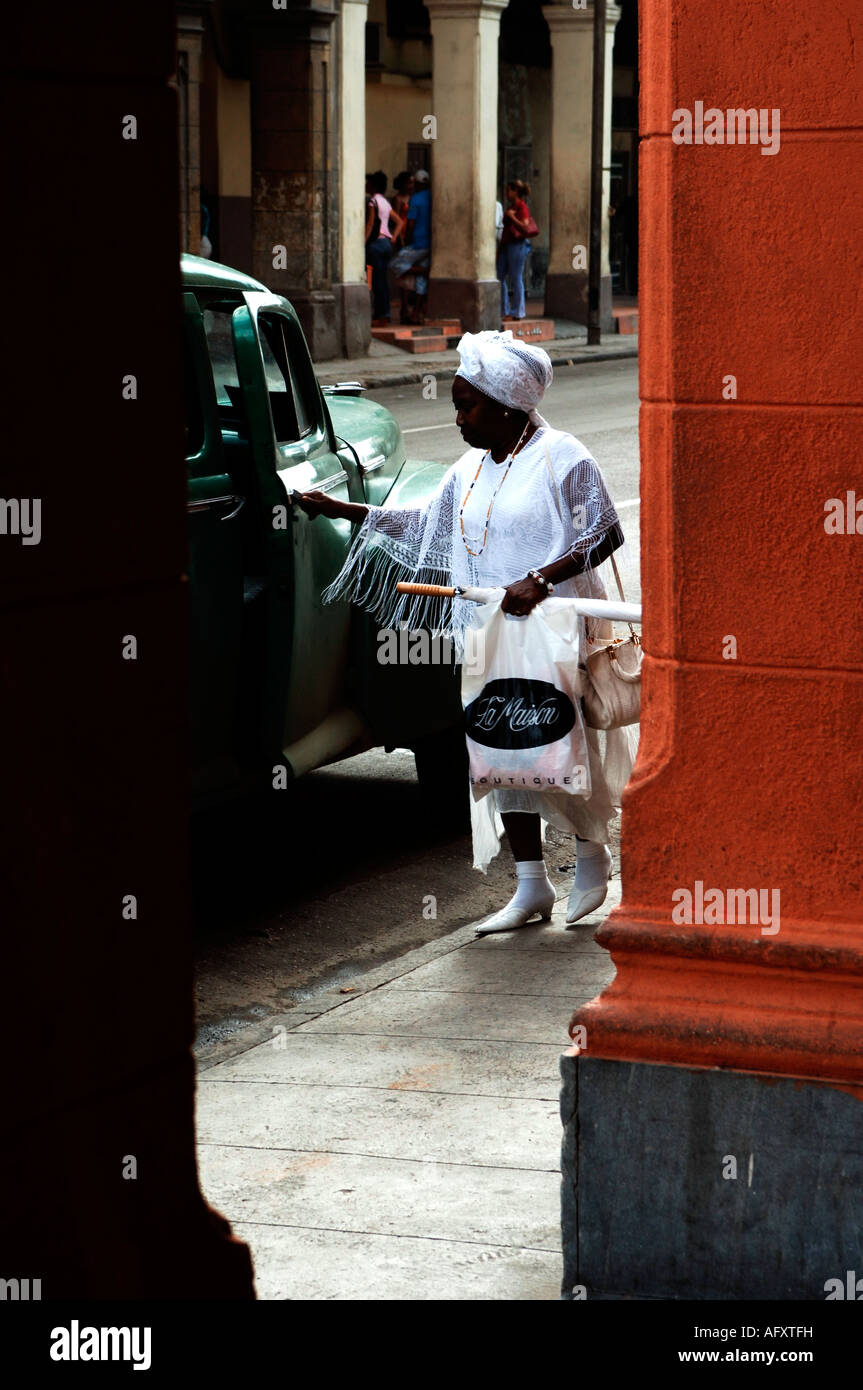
(220, 342)
(292, 415)
(291, 407)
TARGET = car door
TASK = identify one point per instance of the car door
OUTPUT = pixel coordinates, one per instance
(215, 573)
(294, 450)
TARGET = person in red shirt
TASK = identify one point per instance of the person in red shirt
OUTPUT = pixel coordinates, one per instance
(514, 248)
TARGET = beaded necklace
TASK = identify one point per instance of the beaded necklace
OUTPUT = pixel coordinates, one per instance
(508, 461)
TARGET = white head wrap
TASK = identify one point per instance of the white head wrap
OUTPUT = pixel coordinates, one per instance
(506, 370)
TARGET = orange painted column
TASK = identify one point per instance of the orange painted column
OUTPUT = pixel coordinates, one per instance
(751, 764)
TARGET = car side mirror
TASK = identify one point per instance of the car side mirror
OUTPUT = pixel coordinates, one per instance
(344, 388)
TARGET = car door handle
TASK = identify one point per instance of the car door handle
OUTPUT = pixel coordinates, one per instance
(334, 481)
(208, 504)
(373, 464)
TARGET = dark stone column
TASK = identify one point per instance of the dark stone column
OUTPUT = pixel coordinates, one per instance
(354, 318)
(294, 167)
(475, 302)
(566, 298)
(235, 232)
(97, 1123)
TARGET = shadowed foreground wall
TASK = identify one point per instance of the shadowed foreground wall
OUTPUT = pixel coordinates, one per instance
(751, 763)
(100, 1195)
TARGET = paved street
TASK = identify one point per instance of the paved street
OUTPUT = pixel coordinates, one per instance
(402, 1143)
(373, 1079)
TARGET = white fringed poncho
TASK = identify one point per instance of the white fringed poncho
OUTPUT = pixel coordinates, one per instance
(536, 519)
(554, 502)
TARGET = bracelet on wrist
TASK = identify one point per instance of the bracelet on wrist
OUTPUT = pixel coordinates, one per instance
(539, 578)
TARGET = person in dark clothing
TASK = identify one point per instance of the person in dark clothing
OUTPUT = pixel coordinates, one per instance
(413, 261)
(382, 224)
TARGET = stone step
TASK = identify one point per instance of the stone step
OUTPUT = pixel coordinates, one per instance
(394, 334)
(625, 318)
(435, 336)
(435, 342)
(531, 330)
(445, 326)
(627, 321)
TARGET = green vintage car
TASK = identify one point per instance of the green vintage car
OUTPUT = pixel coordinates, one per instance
(278, 678)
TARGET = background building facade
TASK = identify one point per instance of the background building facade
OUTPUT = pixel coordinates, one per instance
(283, 109)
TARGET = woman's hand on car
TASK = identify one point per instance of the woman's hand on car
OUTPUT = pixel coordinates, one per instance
(522, 596)
(318, 504)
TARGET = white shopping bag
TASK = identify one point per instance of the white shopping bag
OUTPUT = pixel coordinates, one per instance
(522, 702)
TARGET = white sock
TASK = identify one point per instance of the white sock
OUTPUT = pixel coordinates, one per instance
(534, 885)
(593, 864)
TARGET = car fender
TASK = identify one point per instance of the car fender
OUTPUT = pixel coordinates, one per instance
(417, 481)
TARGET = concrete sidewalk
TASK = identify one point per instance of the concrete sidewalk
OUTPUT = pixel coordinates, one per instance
(391, 366)
(402, 1141)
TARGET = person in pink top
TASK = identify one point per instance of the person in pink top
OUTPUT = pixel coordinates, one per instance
(382, 224)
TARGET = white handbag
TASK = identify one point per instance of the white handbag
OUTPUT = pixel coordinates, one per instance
(612, 692)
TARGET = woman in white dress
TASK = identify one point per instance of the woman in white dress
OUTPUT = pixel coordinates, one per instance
(525, 509)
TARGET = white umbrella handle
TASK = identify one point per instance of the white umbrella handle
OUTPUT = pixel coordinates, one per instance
(615, 610)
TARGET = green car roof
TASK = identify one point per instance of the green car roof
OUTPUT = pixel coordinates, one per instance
(198, 270)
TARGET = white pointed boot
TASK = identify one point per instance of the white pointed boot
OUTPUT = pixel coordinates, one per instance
(535, 897)
(590, 888)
